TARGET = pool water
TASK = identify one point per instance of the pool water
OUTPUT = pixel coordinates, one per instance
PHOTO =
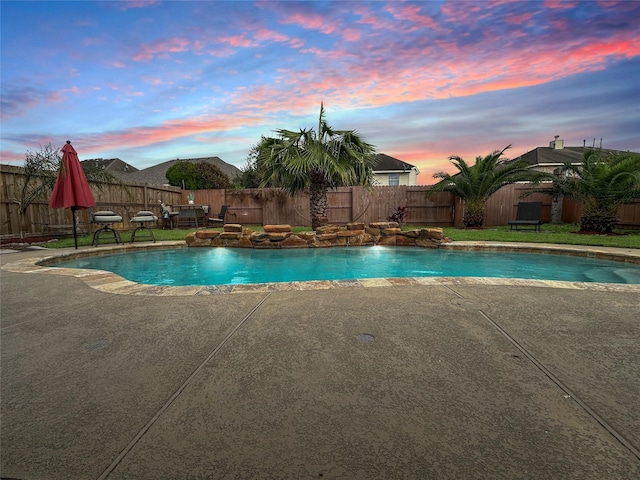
(223, 266)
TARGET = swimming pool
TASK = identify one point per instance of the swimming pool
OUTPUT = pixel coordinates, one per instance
(231, 266)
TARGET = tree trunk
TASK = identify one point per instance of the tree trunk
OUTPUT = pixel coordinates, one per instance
(22, 220)
(318, 203)
(556, 210)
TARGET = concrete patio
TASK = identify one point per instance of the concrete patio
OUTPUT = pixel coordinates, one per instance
(391, 379)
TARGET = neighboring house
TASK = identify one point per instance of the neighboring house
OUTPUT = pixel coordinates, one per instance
(156, 175)
(391, 171)
(115, 166)
(548, 159)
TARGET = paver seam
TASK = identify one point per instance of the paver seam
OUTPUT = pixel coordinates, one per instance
(177, 393)
(563, 386)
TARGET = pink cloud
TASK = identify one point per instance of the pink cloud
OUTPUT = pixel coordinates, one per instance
(162, 48)
(371, 19)
(152, 80)
(9, 156)
(128, 4)
(464, 12)
(620, 5)
(518, 19)
(559, 4)
(54, 97)
(412, 15)
(264, 35)
(311, 21)
(351, 34)
(168, 131)
(238, 41)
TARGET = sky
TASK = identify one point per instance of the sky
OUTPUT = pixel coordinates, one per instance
(149, 81)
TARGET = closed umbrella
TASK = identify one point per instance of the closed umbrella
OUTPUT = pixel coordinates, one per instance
(72, 188)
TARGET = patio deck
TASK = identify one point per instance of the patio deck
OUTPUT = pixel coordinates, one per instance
(434, 378)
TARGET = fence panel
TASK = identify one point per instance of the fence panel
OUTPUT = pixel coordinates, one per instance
(340, 203)
(503, 205)
(244, 206)
(629, 214)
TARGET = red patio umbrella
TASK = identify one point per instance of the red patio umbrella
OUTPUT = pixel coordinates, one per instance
(72, 188)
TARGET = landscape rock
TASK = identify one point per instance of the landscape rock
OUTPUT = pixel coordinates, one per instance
(355, 226)
(327, 229)
(207, 234)
(277, 228)
(353, 234)
(294, 241)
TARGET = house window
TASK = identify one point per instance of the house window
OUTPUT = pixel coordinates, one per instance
(394, 179)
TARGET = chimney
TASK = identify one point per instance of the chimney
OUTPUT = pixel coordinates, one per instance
(556, 144)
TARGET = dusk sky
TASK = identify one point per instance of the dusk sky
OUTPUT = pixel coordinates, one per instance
(151, 81)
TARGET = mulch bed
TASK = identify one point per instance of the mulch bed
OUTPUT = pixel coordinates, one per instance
(27, 241)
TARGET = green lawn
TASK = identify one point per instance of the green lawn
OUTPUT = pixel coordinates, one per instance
(564, 234)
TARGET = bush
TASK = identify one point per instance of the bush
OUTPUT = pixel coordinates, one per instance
(197, 176)
(399, 215)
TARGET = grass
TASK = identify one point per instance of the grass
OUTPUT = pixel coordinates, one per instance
(563, 234)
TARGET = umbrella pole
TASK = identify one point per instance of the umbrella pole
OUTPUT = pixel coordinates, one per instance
(75, 232)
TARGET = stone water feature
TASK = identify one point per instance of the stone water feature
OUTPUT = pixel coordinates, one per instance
(352, 234)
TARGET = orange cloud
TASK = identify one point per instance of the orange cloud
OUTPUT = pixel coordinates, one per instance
(168, 131)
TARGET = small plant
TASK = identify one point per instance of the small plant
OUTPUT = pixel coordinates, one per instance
(399, 215)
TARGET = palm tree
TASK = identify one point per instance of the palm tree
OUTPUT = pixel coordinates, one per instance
(476, 183)
(316, 160)
(602, 184)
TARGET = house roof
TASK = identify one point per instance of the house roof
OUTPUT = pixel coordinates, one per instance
(388, 163)
(560, 156)
(115, 166)
(156, 175)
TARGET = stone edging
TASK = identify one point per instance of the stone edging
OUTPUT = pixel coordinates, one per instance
(109, 282)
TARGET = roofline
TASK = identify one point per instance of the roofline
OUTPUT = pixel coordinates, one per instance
(396, 171)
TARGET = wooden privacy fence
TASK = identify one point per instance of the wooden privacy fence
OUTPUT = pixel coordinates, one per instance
(346, 204)
(273, 206)
(362, 204)
(134, 197)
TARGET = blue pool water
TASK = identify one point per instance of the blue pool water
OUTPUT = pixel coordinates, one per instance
(222, 266)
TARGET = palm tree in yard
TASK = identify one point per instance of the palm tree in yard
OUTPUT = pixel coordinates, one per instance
(476, 183)
(602, 183)
(315, 160)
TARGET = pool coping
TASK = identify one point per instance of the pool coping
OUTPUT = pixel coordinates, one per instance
(109, 282)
